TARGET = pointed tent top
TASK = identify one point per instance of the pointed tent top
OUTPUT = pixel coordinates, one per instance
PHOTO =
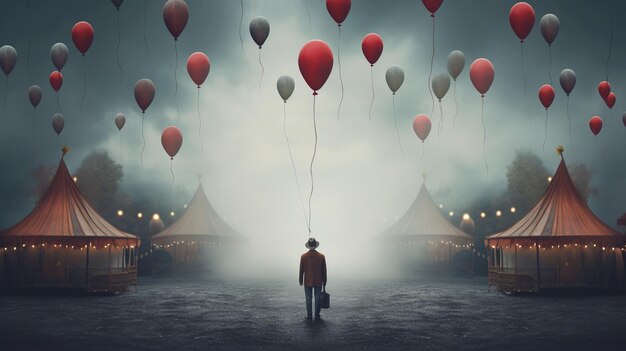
(561, 217)
(63, 216)
(424, 221)
(200, 221)
(559, 151)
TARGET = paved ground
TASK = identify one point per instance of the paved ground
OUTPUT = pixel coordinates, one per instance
(450, 313)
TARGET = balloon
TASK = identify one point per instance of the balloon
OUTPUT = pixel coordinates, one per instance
(144, 93)
(120, 120)
(610, 100)
(421, 126)
(175, 15)
(456, 63)
(440, 85)
(171, 139)
(56, 80)
(482, 74)
(624, 119)
(372, 47)
(198, 66)
(34, 95)
(8, 58)
(432, 6)
(117, 3)
(58, 123)
(259, 30)
(285, 86)
(546, 95)
(316, 62)
(59, 54)
(568, 80)
(549, 25)
(395, 78)
(604, 88)
(338, 9)
(595, 123)
(82, 36)
(522, 19)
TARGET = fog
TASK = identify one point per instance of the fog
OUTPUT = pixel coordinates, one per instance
(362, 181)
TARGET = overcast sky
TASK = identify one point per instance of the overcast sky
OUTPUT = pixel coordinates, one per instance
(362, 183)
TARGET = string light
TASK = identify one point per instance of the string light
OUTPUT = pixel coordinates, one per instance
(440, 205)
(483, 215)
(549, 179)
(120, 213)
(172, 214)
(156, 217)
(513, 209)
(140, 215)
(466, 216)
(75, 178)
(451, 213)
(498, 213)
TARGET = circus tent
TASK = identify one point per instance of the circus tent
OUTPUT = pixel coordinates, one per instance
(560, 243)
(65, 243)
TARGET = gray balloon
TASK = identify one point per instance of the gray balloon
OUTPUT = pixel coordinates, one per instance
(394, 77)
(624, 119)
(441, 84)
(568, 80)
(550, 25)
(120, 120)
(59, 54)
(58, 123)
(285, 86)
(456, 63)
(259, 30)
(34, 95)
(8, 58)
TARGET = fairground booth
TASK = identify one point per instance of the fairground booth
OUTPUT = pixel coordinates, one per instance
(64, 243)
(559, 244)
(422, 239)
(200, 241)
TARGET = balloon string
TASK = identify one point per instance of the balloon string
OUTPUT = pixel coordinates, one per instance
(524, 81)
(395, 122)
(241, 41)
(143, 138)
(117, 48)
(456, 104)
(550, 64)
(82, 101)
(608, 57)
(30, 17)
(262, 71)
(58, 105)
(373, 94)
(200, 127)
(422, 157)
(121, 145)
(173, 178)
(311, 166)
(176, 80)
(430, 73)
(293, 164)
(569, 120)
(145, 39)
(4, 105)
(340, 76)
(440, 119)
(308, 13)
(482, 114)
(545, 129)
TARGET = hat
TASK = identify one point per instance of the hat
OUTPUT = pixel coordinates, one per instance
(312, 244)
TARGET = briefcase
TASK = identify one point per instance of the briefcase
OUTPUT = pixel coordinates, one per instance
(324, 298)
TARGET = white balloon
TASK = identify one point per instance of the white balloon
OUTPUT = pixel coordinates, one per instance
(394, 77)
(441, 84)
(8, 58)
(58, 123)
(120, 120)
(285, 86)
(59, 54)
(456, 63)
(550, 25)
(568, 80)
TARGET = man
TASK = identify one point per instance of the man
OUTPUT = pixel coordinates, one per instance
(313, 276)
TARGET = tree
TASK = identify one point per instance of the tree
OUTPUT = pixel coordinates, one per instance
(99, 178)
(581, 177)
(527, 180)
(42, 175)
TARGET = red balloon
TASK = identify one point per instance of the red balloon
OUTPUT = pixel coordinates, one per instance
(610, 100)
(372, 47)
(198, 66)
(175, 15)
(316, 63)
(56, 80)
(144, 93)
(82, 36)
(522, 19)
(546, 95)
(482, 74)
(595, 123)
(421, 126)
(172, 140)
(604, 88)
(338, 9)
(432, 6)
